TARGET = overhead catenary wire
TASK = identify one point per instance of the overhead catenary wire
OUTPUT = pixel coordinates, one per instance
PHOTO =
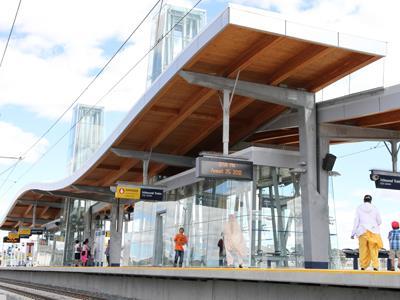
(10, 33)
(22, 157)
(362, 151)
(12, 169)
(105, 95)
(84, 90)
(93, 80)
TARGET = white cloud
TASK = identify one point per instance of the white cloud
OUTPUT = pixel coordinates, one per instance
(16, 141)
(57, 44)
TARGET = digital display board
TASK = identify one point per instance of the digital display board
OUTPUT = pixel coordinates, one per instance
(223, 168)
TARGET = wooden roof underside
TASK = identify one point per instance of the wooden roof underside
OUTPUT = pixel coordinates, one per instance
(184, 119)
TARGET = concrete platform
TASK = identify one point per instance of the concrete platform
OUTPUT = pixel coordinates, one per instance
(214, 283)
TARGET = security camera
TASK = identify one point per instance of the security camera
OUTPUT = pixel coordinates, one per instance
(374, 177)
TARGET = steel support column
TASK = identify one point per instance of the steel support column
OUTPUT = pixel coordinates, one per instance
(146, 171)
(34, 215)
(225, 134)
(117, 217)
(315, 213)
(394, 151)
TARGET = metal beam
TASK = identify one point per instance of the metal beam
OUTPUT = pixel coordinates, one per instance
(168, 159)
(93, 189)
(282, 121)
(262, 92)
(346, 132)
(76, 195)
(27, 220)
(40, 203)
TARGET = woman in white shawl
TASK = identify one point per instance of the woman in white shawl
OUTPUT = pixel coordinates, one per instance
(234, 241)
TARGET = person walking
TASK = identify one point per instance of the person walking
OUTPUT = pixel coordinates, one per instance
(394, 243)
(180, 241)
(366, 228)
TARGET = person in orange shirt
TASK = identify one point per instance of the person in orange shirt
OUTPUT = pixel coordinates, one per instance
(180, 240)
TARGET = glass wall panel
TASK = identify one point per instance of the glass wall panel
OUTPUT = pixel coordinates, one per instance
(227, 222)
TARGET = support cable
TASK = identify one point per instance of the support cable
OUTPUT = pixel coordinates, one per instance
(106, 94)
(377, 146)
(22, 157)
(9, 35)
(93, 80)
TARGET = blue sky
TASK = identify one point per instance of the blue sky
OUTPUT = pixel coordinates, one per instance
(50, 60)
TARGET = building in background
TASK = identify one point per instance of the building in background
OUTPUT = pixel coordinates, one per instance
(87, 136)
(182, 33)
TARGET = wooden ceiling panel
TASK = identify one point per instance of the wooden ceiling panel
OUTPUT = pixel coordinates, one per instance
(185, 119)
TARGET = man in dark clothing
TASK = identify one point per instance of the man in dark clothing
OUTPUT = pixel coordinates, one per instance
(221, 247)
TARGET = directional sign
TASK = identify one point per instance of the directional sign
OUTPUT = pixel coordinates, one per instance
(13, 235)
(126, 192)
(386, 180)
(24, 232)
(139, 193)
(37, 231)
(151, 194)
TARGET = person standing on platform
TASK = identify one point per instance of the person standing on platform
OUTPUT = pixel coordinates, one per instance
(180, 241)
(394, 242)
(77, 253)
(234, 242)
(107, 253)
(85, 254)
(222, 254)
(366, 228)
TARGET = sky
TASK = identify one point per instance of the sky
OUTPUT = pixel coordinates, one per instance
(58, 46)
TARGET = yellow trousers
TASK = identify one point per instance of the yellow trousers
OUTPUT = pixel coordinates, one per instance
(369, 245)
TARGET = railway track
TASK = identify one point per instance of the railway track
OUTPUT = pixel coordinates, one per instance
(43, 292)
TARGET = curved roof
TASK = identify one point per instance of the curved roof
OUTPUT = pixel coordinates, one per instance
(174, 117)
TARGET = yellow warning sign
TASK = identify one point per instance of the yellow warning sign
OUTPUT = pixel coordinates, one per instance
(13, 235)
(24, 231)
(125, 192)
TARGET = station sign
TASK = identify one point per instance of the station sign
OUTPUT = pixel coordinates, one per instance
(6, 239)
(126, 192)
(223, 168)
(13, 235)
(37, 231)
(385, 180)
(139, 193)
(24, 232)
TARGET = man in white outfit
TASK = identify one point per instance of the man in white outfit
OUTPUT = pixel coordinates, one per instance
(366, 228)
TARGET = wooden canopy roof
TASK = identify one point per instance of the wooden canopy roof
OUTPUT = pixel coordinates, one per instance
(174, 117)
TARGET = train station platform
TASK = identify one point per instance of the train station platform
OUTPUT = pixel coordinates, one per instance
(211, 283)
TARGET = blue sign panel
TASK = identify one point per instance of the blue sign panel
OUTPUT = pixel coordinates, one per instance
(151, 194)
(386, 181)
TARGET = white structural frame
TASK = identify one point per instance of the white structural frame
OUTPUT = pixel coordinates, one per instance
(264, 22)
